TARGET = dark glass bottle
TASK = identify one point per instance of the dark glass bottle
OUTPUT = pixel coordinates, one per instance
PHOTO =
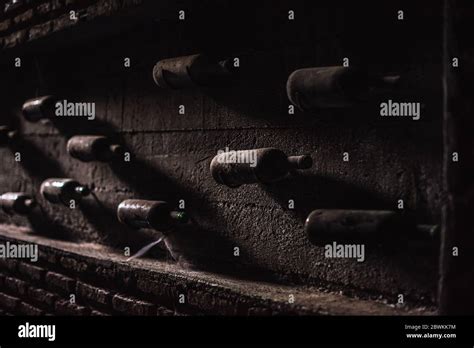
(197, 70)
(89, 148)
(334, 87)
(7, 135)
(62, 191)
(139, 213)
(266, 165)
(39, 108)
(337, 225)
(17, 203)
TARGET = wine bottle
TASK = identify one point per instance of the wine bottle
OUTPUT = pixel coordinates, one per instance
(17, 203)
(39, 108)
(89, 148)
(63, 191)
(328, 225)
(266, 165)
(138, 213)
(7, 135)
(335, 87)
(197, 70)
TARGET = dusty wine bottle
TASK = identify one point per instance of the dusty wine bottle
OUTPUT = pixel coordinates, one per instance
(7, 135)
(139, 213)
(326, 87)
(327, 225)
(89, 148)
(63, 191)
(197, 70)
(17, 203)
(334, 87)
(266, 165)
(39, 108)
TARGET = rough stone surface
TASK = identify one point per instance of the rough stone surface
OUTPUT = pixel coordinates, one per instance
(166, 289)
(8, 303)
(92, 293)
(31, 272)
(29, 310)
(60, 283)
(42, 297)
(64, 307)
(131, 306)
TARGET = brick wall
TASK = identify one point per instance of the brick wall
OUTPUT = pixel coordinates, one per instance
(51, 294)
(101, 282)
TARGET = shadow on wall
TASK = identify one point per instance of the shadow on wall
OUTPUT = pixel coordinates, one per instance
(192, 246)
(40, 167)
(196, 245)
(262, 71)
(310, 192)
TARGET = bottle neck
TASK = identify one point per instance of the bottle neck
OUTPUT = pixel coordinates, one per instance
(179, 216)
(300, 162)
(82, 190)
(116, 150)
(29, 203)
